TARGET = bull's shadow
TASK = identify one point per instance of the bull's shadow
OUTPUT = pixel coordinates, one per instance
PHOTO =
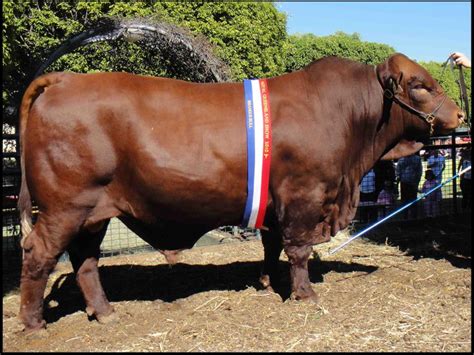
(162, 282)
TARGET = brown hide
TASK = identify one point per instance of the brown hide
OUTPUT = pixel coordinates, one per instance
(402, 149)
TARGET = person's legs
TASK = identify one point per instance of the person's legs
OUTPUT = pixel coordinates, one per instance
(466, 193)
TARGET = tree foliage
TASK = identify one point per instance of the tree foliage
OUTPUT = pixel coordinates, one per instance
(303, 49)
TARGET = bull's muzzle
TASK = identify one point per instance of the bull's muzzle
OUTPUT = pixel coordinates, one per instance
(446, 127)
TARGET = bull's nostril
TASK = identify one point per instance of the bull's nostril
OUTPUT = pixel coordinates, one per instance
(461, 116)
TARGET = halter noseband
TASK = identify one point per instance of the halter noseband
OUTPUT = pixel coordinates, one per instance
(427, 117)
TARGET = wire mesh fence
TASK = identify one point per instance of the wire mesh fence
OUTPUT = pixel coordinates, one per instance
(392, 184)
(119, 239)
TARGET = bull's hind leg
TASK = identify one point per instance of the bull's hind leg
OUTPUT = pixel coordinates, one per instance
(272, 247)
(38, 262)
(41, 250)
(84, 254)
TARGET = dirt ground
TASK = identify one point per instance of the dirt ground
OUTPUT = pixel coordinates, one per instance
(402, 288)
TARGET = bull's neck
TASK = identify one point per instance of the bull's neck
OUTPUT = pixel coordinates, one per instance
(384, 129)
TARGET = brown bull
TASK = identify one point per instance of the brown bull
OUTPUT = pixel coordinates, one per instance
(169, 159)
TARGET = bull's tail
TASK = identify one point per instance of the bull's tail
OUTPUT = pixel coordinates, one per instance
(24, 199)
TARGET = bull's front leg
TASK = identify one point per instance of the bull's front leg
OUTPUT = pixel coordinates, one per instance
(301, 230)
(300, 284)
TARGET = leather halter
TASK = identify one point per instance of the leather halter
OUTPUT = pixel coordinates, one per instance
(429, 118)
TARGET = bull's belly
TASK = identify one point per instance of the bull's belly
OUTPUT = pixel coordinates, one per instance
(166, 235)
(162, 196)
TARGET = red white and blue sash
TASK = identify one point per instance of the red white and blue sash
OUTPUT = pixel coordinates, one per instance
(259, 143)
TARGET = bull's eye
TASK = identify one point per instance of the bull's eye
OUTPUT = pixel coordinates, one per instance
(420, 87)
(420, 93)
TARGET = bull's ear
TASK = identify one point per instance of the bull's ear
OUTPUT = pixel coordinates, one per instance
(396, 83)
(390, 76)
(404, 148)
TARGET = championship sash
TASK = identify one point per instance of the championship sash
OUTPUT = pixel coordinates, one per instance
(259, 142)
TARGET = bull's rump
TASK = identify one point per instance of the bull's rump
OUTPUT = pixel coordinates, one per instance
(168, 148)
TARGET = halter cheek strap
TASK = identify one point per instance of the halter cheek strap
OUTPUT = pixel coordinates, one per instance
(427, 117)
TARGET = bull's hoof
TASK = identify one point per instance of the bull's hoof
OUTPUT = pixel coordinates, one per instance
(268, 289)
(265, 282)
(305, 296)
(38, 328)
(104, 317)
(107, 318)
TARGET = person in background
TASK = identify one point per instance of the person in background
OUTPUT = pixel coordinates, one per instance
(431, 203)
(386, 198)
(436, 162)
(409, 170)
(367, 196)
(385, 171)
(461, 59)
(466, 187)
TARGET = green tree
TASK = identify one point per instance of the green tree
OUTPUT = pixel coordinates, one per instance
(303, 49)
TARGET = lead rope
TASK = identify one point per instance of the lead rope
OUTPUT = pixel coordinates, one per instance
(464, 97)
(462, 88)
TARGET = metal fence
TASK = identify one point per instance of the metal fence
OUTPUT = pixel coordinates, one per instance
(10, 188)
(382, 191)
(120, 240)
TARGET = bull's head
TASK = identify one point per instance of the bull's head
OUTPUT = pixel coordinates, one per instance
(409, 85)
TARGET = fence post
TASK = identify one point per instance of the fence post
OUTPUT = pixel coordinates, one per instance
(453, 171)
